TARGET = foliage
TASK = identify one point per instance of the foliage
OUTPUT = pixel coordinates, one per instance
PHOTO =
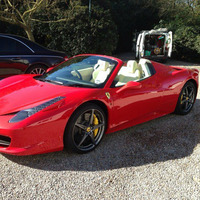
(183, 20)
(81, 33)
(62, 25)
(66, 24)
(130, 16)
(21, 13)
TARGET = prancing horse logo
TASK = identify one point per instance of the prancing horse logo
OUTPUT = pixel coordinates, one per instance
(108, 95)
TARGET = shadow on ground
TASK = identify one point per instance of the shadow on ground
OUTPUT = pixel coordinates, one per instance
(167, 138)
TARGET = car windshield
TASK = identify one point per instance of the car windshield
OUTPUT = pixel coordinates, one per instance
(81, 71)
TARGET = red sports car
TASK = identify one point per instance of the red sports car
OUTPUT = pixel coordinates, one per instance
(75, 103)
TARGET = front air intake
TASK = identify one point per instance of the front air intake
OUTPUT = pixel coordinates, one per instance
(4, 141)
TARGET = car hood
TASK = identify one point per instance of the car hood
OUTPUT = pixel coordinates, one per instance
(23, 92)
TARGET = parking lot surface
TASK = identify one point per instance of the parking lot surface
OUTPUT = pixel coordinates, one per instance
(159, 159)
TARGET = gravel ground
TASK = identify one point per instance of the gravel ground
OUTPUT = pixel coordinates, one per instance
(159, 159)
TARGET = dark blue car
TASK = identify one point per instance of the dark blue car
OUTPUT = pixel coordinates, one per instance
(19, 55)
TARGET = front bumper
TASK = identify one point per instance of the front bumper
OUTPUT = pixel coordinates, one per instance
(39, 137)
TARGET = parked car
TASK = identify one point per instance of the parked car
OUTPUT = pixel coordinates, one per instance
(75, 103)
(19, 55)
(154, 44)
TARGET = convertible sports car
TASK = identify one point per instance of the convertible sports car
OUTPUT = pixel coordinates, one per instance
(75, 103)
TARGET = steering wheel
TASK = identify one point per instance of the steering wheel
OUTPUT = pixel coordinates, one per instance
(78, 74)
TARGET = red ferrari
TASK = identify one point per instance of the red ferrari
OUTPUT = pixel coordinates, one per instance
(75, 103)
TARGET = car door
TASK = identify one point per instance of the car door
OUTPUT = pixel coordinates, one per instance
(141, 45)
(138, 45)
(169, 43)
(11, 56)
(136, 105)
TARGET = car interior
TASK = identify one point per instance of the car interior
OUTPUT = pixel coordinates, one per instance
(133, 72)
(98, 73)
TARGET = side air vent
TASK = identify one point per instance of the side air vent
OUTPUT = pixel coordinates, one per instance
(4, 141)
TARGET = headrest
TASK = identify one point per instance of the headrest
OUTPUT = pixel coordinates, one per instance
(132, 66)
(139, 66)
(143, 61)
(102, 65)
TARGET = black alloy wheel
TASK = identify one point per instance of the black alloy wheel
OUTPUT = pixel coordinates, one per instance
(85, 128)
(186, 99)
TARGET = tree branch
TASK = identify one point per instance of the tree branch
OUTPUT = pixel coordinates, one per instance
(34, 8)
(15, 9)
(50, 21)
(11, 18)
(8, 20)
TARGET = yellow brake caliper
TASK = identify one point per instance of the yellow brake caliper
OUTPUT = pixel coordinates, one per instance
(95, 122)
(181, 98)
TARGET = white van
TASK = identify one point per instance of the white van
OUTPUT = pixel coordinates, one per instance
(154, 44)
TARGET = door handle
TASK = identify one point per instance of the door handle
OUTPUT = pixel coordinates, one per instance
(15, 59)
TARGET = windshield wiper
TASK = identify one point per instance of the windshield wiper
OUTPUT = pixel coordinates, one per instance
(80, 85)
(50, 81)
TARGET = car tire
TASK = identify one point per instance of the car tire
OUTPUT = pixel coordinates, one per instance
(80, 134)
(37, 69)
(186, 99)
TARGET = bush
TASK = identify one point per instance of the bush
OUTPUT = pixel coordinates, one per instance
(186, 39)
(81, 33)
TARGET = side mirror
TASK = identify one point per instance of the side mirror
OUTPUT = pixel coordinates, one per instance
(130, 85)
(49, 69)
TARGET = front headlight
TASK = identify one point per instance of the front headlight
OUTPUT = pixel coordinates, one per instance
(23, 114)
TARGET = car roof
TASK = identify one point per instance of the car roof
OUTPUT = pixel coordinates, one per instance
(33, 45)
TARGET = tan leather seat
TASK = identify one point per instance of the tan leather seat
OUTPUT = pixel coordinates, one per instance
(134, 69)
(132, 72)
(101, 72)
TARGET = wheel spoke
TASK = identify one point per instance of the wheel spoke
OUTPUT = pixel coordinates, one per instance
(92, 138)
(98, 126)
(91, 117)
(81, 126)
(37, 71)
(191, 93)
(186, 91)
(186, 105)
(82, 140)
(183, 101)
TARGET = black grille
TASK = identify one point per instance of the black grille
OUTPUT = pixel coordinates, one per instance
(4, 141)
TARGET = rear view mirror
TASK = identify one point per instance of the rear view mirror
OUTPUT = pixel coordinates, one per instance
(130, 85)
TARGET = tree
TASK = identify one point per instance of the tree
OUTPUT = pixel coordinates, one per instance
(22, 13)
(182, 17)
(81, 33)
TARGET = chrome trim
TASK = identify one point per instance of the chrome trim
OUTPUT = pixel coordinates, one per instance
(6, 36)
(4, 143)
